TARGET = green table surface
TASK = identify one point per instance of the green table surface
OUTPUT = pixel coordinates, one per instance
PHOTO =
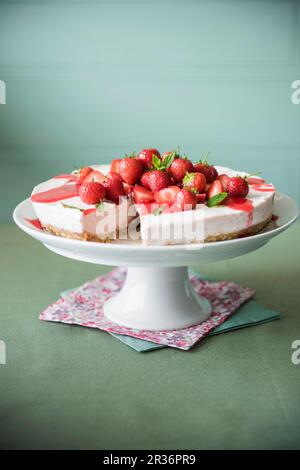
(68, 387)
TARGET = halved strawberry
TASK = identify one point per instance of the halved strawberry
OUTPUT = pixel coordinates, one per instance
(224, 180)
(115, 165)
(114, 188)
(166, 195)
(115, 175)
(128, 188)
(215, 188)
(95, 176)
(142, 195)
(83, 172)
(201, 198)
(185, 200)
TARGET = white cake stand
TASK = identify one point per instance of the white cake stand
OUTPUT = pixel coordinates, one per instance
(157, 294)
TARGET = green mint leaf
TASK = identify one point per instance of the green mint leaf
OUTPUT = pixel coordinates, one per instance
(217, 199)
(168, 160)
(72, 207)
(158, 211)
(189, 178)
(156, 162)
(100, 206)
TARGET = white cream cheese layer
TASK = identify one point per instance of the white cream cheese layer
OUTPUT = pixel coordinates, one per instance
(205, 222)
(169, 228)
(68, 214)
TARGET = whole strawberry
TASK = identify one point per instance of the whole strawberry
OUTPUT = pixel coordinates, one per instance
(185, 200)
(92, 192)
(195, 182)
(158, 179)
(237, 186)
(203, 168)
(180, 167)
(209, 171)
(114, 188)
(173, 154)
(131, 169)
(146, 156)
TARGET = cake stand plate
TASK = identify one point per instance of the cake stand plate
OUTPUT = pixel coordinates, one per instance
(157, 294)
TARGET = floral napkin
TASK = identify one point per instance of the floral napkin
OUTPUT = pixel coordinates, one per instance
(84, 306)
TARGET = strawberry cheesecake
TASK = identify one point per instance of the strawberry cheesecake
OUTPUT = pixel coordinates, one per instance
(157, 199)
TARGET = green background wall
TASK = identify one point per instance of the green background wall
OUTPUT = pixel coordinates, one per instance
(90, 80)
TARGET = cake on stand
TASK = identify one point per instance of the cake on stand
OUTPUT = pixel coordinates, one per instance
(157, 294)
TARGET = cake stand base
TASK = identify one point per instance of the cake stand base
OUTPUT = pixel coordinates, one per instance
(157, 299)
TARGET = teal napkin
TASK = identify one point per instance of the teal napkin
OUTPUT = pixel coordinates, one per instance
(250, 314)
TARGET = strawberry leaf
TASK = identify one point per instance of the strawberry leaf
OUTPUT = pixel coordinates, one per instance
(204, 160)
(217, 199)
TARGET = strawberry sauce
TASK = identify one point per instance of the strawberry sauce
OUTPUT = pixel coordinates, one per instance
(89, 211)
(60, 193)
(255, 180)
(66, 176)
(35, 222)
(263, 187)
(241, 204)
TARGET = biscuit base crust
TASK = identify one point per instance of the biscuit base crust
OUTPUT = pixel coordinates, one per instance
(109, 239)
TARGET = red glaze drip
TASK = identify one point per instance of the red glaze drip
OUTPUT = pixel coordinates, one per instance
(66, 176)
(241, 204)
(274, 217)
(263, 187)
(60, 193)
(89, 211)
(255, 180)
(35, 222)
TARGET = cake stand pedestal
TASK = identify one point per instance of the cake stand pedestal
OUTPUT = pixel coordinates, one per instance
(157, 294)
(157, 299)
